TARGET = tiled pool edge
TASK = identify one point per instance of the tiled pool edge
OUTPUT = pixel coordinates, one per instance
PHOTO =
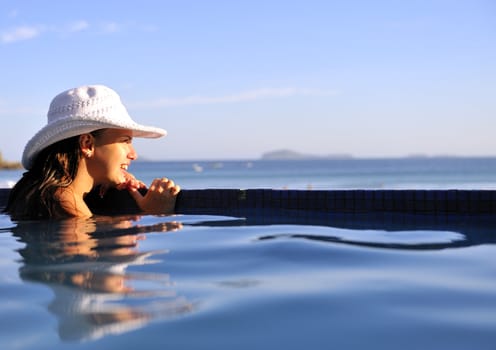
(427, 202)
(345, 201)
(470, 212)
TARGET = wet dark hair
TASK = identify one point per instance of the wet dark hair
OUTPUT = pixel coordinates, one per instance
(55, 167)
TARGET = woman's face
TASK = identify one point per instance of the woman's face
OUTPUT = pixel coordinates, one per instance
(113, 152)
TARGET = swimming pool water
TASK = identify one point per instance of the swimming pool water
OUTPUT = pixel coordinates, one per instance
(220, 282)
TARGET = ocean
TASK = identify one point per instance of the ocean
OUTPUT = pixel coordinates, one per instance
(219, 282)
(326, 174)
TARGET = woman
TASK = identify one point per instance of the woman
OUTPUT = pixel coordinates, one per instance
(86, 144)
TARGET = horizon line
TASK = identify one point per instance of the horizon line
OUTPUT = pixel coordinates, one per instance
(151, 159)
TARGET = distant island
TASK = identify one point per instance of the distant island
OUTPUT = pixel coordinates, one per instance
(286, 154)
(9, 165)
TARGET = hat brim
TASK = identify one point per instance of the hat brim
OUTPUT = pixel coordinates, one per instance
(63, 129)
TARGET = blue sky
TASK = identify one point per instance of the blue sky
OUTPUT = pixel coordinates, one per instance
(234, 79)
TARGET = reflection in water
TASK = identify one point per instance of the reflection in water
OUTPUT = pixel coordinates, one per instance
(85, 263)
(439, 240)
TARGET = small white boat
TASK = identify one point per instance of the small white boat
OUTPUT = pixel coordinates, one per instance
(197, 168)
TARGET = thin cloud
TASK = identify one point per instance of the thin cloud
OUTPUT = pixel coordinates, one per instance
(27, 32)
(20, 33)
(251, 95)
(78, 26)
(111, 27)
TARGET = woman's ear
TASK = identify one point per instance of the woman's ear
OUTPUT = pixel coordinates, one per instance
(87, 144)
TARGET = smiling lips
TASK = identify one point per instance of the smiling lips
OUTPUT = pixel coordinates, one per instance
(125, 173)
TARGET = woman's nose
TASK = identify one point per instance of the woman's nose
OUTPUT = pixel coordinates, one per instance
(132, 153)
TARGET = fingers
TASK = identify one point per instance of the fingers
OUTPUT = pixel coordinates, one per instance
(175, 190)
(130, 182)
(160, 197)
(163, 185)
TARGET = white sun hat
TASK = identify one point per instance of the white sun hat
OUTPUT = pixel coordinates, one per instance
(82, 110)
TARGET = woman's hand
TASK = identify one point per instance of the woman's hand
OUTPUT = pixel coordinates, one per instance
(131, 183)
(160, 197)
